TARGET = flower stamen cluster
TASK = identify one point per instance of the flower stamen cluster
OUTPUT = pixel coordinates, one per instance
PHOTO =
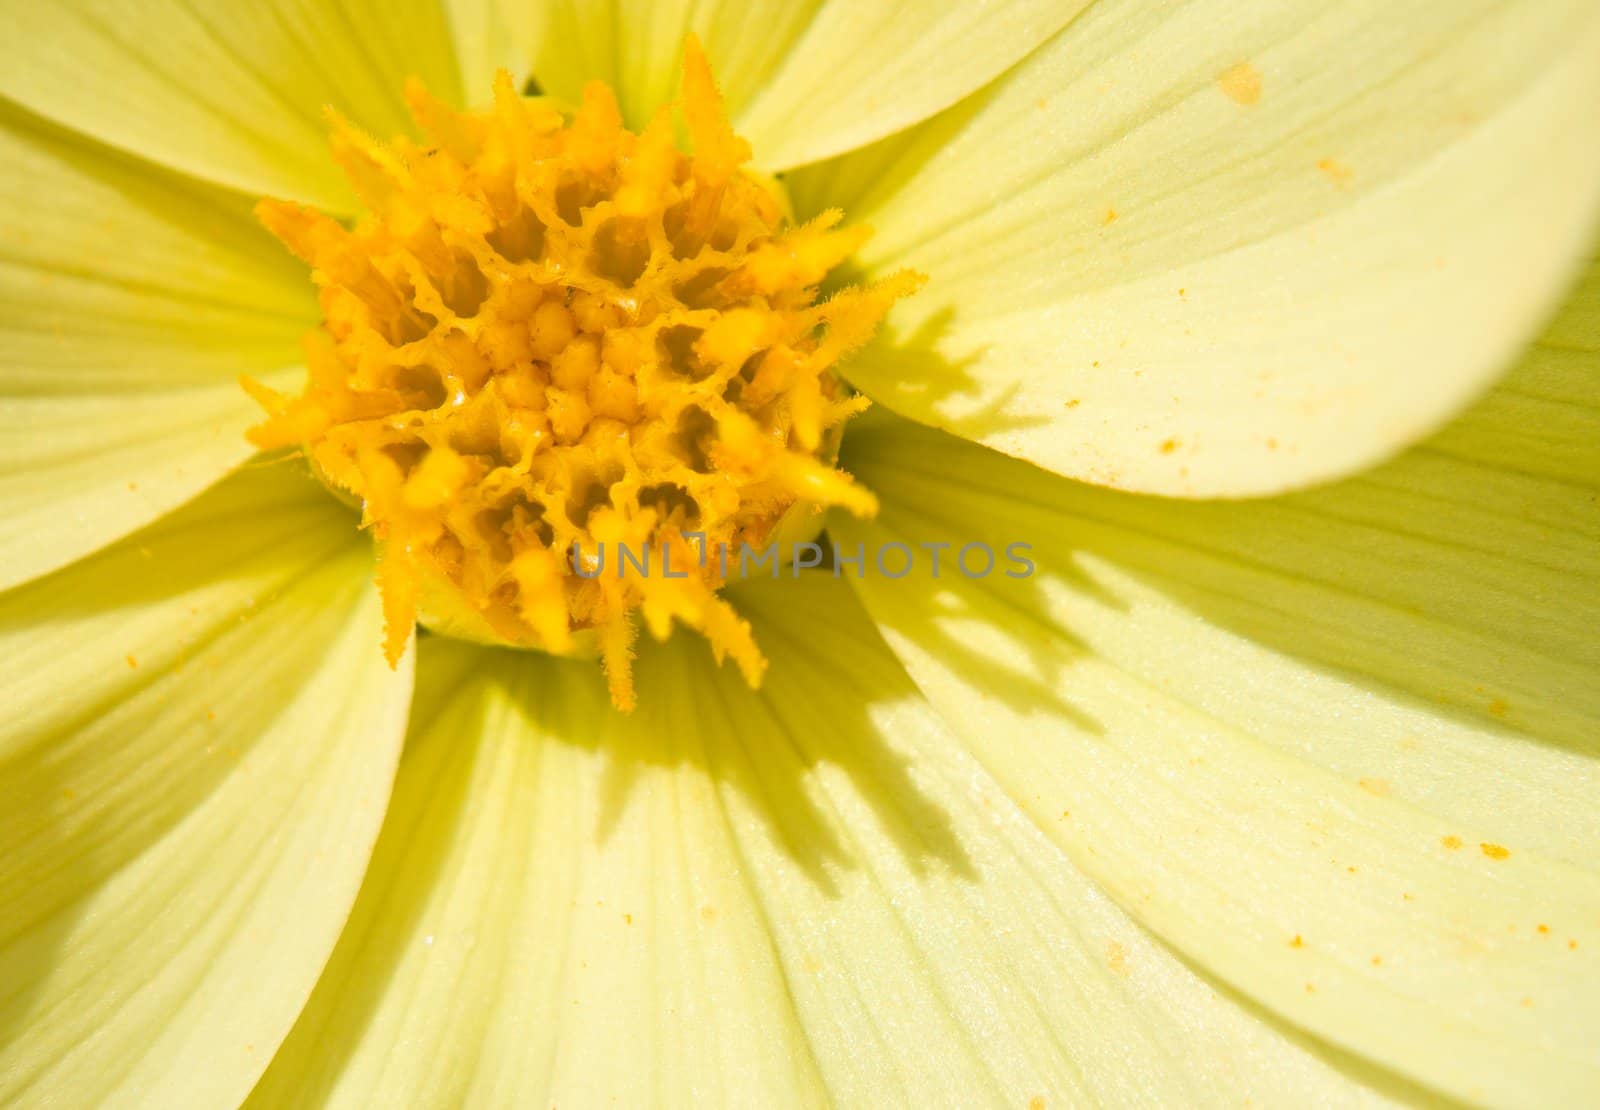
(548, 335)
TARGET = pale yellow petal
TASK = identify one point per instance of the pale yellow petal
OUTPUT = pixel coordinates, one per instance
(1337, 748)
(130, 300)
(233, 93)
(555, 914)
(865, 70)
(1222, 250)
(636, 46)
(198, 743)
(804, 80)
(803, 897)
(491, 35)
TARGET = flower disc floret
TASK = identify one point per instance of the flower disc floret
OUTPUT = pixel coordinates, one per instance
(550, 338)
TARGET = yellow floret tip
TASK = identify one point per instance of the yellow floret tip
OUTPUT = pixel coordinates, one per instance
(547, 339)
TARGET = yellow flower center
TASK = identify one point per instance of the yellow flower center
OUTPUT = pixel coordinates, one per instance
(565, 368)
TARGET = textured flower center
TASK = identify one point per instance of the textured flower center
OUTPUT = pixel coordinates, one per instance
(556, 350)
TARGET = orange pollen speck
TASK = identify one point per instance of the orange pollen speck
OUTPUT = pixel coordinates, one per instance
(549, 340)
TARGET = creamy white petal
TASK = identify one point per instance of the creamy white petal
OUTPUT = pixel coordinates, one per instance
(1338, 748)
(199, 739)
(805, 896)
(1221, 248)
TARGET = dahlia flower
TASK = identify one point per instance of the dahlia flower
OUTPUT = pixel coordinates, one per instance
(1171, 473)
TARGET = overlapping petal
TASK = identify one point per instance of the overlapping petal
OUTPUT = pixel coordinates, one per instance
(804, 80)
(1339, 748)
(232, 93)
(732, 898)
(1213, 249)
(863, 71)
(132, 300)
(490, 35)
(199, 740)
(636, 46)
(541, 901)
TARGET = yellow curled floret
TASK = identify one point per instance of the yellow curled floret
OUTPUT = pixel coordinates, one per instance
(549, 339)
